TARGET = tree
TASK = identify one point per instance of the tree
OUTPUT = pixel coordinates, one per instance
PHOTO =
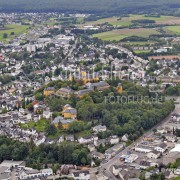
(76, 126)
(5, 35)
(60, 126)
(157, 177)
(51, 130)
(39, 96)
(30, 107)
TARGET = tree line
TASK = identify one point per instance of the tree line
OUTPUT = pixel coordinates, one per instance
(40, 156)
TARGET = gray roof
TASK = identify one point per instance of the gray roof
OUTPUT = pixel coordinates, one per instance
(33, 171)
(49, 89)
(84, 91)
(163, 145)
(70, 110)
(62, 120)
(66, 90)
(144, 163)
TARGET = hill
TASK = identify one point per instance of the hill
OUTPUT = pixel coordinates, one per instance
(89, 6)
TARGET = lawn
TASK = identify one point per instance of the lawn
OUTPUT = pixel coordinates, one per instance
(117, 35)
(39, 125)
(80, 20)
(173, 29)
(142, 51)
(17, 29)
(177, 178)
(112, 20)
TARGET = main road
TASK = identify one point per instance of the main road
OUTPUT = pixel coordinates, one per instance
(105, 168)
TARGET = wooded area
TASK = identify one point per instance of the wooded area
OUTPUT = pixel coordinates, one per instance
(93, 6)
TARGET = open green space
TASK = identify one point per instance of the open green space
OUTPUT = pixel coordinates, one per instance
(142, 51)
(177, 178)
(12, 28)
(40, 125)
(173, 29)
(117, 35)
(126, 21)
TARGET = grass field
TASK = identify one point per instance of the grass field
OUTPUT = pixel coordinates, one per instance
(39, 125)
(177, 178)
(142, 51)
(17, 29)
(126, 21)
(173, 29)
(117, 35)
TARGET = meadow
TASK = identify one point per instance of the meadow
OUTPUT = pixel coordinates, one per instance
(17, 29)
(117, 35)
(126, 21)
(173, 29)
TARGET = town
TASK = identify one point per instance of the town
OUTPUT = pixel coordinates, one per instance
(56, 73)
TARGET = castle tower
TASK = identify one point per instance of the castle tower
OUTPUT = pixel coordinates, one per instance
(83, 73)
(119, 88)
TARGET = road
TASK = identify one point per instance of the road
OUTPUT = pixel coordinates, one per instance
(72, 49)
(106, 168)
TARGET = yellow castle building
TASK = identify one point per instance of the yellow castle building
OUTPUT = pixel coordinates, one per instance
(69, 112)
(120, 88)
(48, 91)
(85, 77)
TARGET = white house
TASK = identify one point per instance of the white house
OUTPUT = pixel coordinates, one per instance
(81, 175)
(47, 114)
(47, 172)
(153, 154)
(125, 138)
(171, 137)
(99, 128)
(143, 149)
(116, 170)
(161, 148)
(113, 139)
(29, 173)
(131, 158)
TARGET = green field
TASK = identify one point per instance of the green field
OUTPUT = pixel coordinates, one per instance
(39, 125)
(17, 29)
(117, 35)
(126, 21)
(173, 29)
(177, 178)
(142, 51)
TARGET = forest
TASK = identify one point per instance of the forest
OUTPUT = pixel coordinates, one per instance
(93, 6)
(38, 157)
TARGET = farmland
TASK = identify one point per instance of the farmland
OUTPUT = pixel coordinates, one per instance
(17, 29)
(117, 35)
(173, 29)
(126, 21)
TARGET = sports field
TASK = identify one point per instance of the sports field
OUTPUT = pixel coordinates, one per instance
(117, 35)
(17, 29)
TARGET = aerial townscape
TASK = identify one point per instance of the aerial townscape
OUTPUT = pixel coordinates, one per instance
(89, 90)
